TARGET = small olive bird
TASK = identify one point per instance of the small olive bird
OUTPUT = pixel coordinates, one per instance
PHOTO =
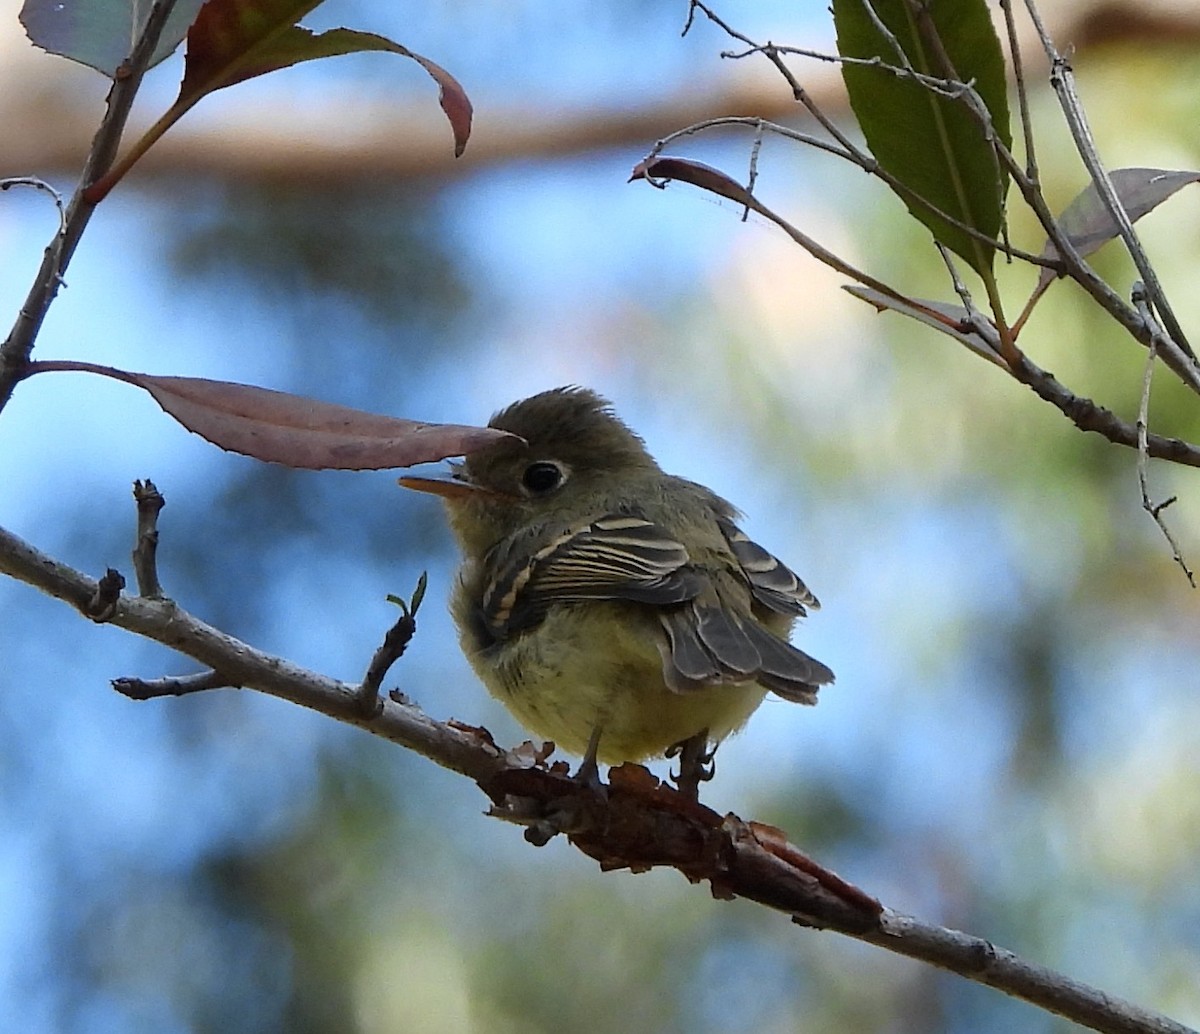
(613, 608)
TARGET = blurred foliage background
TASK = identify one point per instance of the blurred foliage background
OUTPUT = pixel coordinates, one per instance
(1011, 747)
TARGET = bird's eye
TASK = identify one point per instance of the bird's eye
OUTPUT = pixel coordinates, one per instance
(542, 477)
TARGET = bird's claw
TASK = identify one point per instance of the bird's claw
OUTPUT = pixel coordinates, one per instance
(697, 764)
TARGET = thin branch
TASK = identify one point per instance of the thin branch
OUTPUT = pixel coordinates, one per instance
(171, 686)
(752, 178)
(960, 288)
(637, 824)
(1155, 510)
(756, 124)
(395, 642)
(101, 605)
(951, 89)
(15, 351)
(886, 33)
(1014, 49)
(145, 551)
(1089, 416)
(37, 183)
(865, 162)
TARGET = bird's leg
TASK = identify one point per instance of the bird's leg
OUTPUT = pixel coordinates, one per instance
(696, 764)
(588, 773)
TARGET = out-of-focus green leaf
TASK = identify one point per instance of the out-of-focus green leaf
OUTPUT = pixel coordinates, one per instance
(930, 142)
(102, 33)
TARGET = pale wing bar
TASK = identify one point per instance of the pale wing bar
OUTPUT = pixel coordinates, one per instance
(615, 557)
(772, 582)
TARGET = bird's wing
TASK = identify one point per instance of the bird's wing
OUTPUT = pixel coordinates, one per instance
(623, 557)
(772, 583)
(618, 556)
(710, 644)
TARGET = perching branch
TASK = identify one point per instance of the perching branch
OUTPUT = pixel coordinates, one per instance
(638, 824)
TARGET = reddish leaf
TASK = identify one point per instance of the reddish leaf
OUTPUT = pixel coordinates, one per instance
(235, 40)
(696, 173)
(293, 430)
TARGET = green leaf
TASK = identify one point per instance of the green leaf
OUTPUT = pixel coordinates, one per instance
(102, 33)
(931, 143)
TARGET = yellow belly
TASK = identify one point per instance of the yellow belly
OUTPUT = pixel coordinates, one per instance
(598, 665)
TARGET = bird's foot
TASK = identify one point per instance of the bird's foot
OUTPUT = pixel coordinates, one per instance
(697, 764)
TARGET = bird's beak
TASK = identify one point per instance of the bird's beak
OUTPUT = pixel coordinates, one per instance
(447, 488)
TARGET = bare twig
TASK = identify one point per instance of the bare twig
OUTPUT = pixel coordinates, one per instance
(759, 126)
(1014, 49)
(172, 686)
(145, 551)
(1155, 510)
(395, 642)
(101, 604)
(960, 288)
(886, 33)
(37, 183)
(752, 178)
(15, 352)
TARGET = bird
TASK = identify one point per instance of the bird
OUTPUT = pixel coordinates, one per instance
(614, 609)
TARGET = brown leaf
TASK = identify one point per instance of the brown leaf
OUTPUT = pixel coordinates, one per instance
(302, 432)
(277, 427)
(696, 173)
